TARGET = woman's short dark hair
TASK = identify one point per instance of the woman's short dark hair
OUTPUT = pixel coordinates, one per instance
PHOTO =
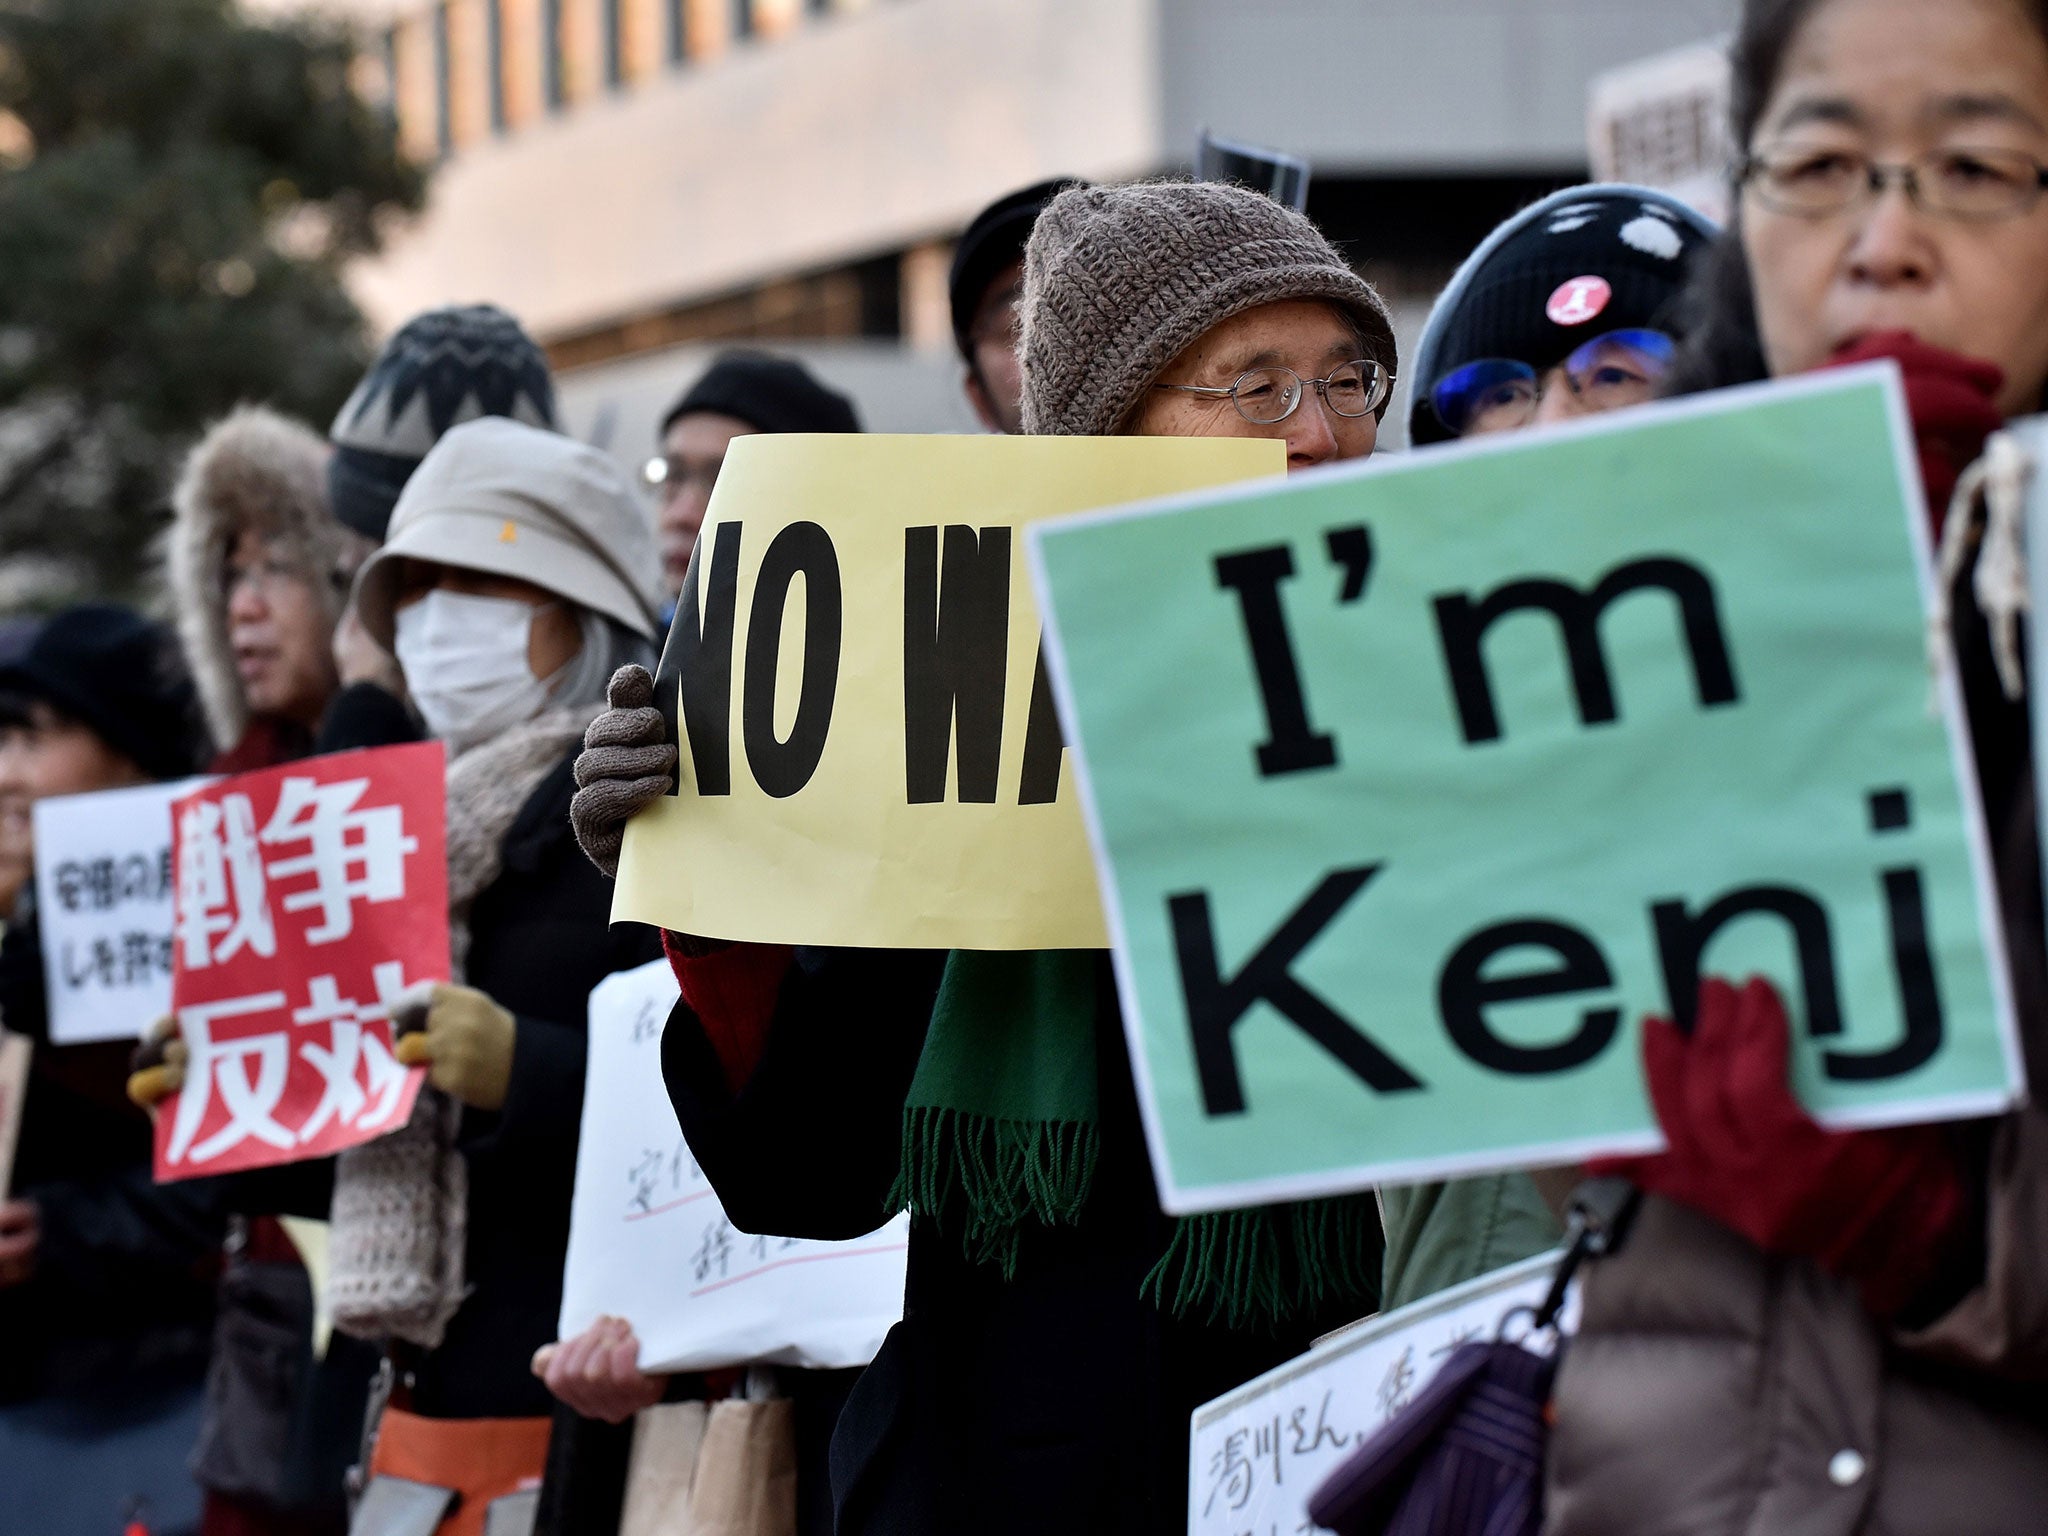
(1718, 312)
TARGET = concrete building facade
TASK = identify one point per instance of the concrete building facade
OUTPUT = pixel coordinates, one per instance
(641, 180)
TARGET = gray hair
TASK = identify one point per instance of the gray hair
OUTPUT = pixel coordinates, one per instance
(607, 646)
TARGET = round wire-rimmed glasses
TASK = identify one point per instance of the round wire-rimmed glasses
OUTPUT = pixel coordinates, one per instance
(1264, 396)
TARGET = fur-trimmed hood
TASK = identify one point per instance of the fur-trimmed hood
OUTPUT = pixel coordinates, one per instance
(253, 469)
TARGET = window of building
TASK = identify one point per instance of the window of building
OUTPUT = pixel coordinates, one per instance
(418, 94)
(584, 45)
(521, 73)
(444, 113)
(494, 54)
(554, 75)
(613, 43)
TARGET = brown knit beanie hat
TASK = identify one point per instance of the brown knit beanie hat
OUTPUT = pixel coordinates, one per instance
(1119, 280)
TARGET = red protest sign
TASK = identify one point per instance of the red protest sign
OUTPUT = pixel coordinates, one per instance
(307, 899)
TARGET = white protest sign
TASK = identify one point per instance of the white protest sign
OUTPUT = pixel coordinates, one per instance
(1256, 1454)
(649, 1242)
(103, 901)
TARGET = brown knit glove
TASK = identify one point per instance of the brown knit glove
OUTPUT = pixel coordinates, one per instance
(463, 1039)
(628, 762)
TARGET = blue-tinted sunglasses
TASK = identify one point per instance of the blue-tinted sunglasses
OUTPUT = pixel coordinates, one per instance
(1499, 394)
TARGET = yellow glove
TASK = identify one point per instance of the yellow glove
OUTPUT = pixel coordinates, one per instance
(462, 1038)
(157, 1069)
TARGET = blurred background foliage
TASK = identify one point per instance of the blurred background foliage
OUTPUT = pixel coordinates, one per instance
(180, 185)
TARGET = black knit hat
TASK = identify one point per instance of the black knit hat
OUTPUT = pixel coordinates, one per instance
(1580, 263)
(770, 394)
(994, 240)
(119, 675)
(442, 368)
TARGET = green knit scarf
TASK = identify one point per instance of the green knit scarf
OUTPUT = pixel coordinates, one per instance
(1001, 1129)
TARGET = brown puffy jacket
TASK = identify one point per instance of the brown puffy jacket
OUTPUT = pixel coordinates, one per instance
(1714, 1390)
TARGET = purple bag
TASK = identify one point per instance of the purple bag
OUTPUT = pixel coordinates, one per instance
(1465, 1458)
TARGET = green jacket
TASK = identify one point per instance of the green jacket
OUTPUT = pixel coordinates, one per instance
(1440, 1234)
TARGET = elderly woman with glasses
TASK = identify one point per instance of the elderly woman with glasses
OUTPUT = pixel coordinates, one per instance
(1846, 1331)
(1059, 1327)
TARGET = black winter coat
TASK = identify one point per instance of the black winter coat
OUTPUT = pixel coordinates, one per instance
(125, 1268)
(539, 941)
(1055, 1401)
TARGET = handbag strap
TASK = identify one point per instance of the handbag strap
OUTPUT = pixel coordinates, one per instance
(1597, 1220)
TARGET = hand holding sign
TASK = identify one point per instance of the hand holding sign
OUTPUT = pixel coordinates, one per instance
(597, 1372)
(1871, 1205)
(627, 763)
(461, 1037)
(156, 1069)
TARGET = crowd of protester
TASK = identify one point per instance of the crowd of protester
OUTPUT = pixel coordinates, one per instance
(1804, 1330)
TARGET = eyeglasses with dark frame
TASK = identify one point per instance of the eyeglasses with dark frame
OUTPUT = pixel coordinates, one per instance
(1266, 396)
(1819, 181)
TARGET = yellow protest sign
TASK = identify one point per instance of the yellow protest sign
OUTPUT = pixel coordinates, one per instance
(869, 750)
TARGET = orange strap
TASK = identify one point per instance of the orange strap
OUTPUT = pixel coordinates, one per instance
(482, 1459)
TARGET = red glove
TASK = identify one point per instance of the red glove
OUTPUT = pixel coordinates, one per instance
(1949, 397)
(1875, 1207)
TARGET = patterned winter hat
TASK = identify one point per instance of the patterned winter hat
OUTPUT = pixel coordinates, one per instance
(1118, 281)
(443, 367)
(1580, 263)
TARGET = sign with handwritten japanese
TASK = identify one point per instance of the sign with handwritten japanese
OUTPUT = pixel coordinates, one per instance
(869, 750)
(648, 1241)
(103, 907)
(1256, 1454)
(1416, 785)
(307, 899)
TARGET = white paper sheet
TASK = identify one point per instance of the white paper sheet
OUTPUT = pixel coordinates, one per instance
(649, 1242)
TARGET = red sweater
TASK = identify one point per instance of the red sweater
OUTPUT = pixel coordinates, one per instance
(732, 989)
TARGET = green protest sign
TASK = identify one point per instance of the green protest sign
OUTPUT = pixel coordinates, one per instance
(1414, 786)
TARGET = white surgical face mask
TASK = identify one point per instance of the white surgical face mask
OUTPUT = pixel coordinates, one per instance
(464, 659)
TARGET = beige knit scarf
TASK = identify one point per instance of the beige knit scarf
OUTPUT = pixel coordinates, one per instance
(400, 1211)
